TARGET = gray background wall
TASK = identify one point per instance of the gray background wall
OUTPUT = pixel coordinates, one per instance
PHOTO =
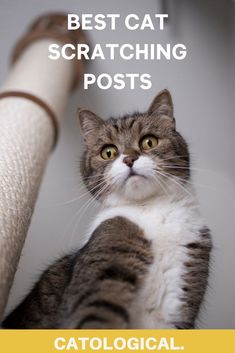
(203, 90)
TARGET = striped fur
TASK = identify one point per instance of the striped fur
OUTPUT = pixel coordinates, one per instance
(146, 259)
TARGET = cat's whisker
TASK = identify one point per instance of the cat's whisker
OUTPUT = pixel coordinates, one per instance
(92, 176)
(171, 178)
(70, 223)
(90, 202)
(116, 182)
(116, 179)
(78, 215)
(175, 166)
(95, 185)
(174, 157)
(83, 195)
(79, 211)
(87, 192)
(178, 166)
(185, 181)
(160, 182)
(181, 179)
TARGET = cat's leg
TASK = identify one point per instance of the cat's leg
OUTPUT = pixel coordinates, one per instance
(108, 274)
(94, 288)
(39, 308)
(195, 279)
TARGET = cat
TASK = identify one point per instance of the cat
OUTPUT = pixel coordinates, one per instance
(146, 261)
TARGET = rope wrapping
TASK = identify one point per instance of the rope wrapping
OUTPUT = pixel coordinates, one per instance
(28, 118)
(21, 170)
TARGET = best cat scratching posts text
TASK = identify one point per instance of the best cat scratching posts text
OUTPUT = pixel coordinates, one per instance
(31, 102)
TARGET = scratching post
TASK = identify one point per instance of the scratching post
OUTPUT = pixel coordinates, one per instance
(32, 101)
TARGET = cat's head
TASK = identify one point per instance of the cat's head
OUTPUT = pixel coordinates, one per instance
(135, 157)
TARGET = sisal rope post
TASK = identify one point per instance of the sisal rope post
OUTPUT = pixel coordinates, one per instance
(32, 101)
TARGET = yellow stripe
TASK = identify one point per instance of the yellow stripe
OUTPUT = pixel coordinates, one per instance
(51, 341)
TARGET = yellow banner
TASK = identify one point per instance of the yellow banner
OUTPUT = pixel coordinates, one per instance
(90, 341)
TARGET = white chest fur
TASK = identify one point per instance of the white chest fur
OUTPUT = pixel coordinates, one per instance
(169, 224)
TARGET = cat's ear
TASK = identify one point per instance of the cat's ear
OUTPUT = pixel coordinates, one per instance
(89, 124)
(162, 105)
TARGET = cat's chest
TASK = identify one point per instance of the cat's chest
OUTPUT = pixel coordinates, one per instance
(169, 226)
(161, 222)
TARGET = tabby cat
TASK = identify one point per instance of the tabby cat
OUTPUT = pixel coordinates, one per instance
(145, 263)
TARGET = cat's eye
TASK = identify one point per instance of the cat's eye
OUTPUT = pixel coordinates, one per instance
(148, 142)
(109, 152)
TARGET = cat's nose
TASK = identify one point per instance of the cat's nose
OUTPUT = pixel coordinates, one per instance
(129, 160)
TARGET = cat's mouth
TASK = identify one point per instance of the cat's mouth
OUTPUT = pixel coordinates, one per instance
(133, 174)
